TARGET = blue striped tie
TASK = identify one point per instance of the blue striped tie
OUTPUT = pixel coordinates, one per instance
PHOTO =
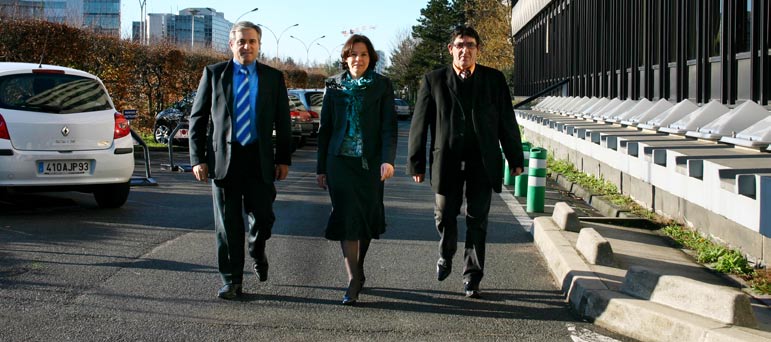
(243, 120)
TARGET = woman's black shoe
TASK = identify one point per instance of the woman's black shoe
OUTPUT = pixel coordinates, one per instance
(352, 293)
(348, 300)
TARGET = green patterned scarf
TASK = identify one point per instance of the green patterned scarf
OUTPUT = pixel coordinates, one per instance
(355, 89)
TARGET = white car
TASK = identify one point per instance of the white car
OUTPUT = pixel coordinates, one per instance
(59, 131)
(402, 109)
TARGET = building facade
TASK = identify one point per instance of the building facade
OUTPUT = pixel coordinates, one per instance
(100, 16)
(700, 50)
(192, 27)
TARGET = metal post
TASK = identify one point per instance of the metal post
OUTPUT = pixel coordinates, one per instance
(148, 180)
(193, 12)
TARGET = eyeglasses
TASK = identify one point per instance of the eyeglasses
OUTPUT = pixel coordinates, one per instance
(468, 45)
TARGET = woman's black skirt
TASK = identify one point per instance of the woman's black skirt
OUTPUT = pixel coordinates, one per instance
(357, 200)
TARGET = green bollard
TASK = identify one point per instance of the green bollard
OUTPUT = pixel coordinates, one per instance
(536, 182)
(507, 178)
(505, 165)
(520, 182)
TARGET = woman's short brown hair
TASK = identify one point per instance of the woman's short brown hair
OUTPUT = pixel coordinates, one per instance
(348, 49)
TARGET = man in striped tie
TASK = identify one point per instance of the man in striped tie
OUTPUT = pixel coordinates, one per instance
(243, 101)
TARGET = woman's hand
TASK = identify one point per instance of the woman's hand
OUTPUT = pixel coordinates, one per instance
(386, 171)
(321, 180)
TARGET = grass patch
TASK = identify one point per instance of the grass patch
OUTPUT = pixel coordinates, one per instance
(708, 252)
(150, 141)
(147, 137)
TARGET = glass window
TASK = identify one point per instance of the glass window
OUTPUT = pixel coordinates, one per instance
(295, 105)
(715, 15)
(315, 100)
(673, 30)
(743, 34)
(690, 36)
(52, 93)
(656, 32)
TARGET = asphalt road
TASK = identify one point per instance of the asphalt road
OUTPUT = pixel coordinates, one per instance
(146, 271)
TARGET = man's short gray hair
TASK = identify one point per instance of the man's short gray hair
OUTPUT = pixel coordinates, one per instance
(244, 25)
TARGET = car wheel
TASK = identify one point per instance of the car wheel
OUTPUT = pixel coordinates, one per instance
(161, 134)
(111, 195)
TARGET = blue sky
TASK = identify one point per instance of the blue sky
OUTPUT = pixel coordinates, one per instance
(382, 21)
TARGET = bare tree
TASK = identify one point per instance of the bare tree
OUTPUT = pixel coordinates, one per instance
(404, 77)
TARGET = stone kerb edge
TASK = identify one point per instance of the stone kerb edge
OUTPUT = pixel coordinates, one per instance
(569, 270)
(720, 303)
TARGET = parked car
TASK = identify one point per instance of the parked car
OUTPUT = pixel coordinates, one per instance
(312, 100)
(402, 108)
(179, 112)
(168, 119)
(302, 122)
(59, 131)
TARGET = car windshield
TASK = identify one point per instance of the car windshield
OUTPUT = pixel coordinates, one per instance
(295, 105)
(52, 93)
(315, 99)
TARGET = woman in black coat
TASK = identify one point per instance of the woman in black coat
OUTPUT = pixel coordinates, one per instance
(356, 152)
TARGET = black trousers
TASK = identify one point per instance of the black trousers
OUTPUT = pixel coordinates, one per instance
(478, 192)
(242, 201)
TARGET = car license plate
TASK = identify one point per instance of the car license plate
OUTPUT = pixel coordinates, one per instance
(64, 167)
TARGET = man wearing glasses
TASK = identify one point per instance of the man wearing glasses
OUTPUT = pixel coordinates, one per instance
(467, 107)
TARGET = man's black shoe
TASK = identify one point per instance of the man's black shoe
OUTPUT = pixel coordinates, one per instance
(261, 269)
(471, 291)
(443, 268)
(230, 291)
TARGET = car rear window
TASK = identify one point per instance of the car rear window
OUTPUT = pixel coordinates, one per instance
(295, 105)
(315, 100)
(400, 102)
(52, 93)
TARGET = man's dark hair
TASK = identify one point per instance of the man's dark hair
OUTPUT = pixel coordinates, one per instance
(348, 48)
(244, 25)
(467, 31)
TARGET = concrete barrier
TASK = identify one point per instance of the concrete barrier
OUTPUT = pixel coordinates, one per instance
(571, 272)
(595, 248)
(649, 309)
(720, 303)
(565, 217)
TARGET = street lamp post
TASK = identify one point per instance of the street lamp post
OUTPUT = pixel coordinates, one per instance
(329, 55)
(142, 22)
(307, 47)
(193, 12)
(245, 13)
(278, 38)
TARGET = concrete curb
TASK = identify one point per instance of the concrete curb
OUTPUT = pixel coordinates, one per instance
(638, 318)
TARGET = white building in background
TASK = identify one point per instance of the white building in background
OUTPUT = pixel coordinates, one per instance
(158, 26)
(191, 28)
(381, 61)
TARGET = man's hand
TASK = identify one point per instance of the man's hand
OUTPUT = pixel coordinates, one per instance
(282, 170)
(418, 178)
(321, 180)
(201, 172)
(386, 171)
(516, 171)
